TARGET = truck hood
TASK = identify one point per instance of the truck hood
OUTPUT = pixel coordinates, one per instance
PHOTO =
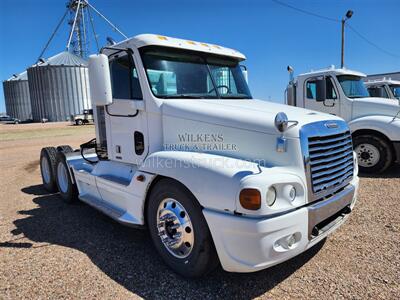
(375, 106)
(247, 114)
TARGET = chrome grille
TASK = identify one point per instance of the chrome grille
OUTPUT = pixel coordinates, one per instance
(330, 161)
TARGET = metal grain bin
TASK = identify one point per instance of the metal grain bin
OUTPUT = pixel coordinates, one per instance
(16, 97)
(59, 87)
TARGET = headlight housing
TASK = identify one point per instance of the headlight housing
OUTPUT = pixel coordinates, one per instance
(271, 196)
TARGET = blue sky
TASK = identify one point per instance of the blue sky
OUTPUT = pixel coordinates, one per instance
(270, 35)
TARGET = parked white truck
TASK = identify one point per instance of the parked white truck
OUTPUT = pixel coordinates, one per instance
(216, 176)
(384, 88)
(374, 122)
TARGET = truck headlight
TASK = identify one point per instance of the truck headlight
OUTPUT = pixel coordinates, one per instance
(271, 196)
(290, 192)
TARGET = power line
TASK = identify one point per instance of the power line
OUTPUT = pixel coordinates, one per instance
(337, 21)
(371, 43)
(306, 12)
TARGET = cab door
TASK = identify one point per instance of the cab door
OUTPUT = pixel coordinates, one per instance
(329, 102)
(126, 117)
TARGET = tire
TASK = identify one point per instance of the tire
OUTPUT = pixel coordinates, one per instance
(374, 153)
(79, 122)
(67, 189)
(65, 149)
(47, 167)
(194, 255)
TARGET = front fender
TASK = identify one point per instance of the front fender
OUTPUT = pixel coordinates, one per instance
(386, 125)
(214, 180)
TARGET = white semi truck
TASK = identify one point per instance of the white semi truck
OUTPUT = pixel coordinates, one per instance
(216, 176)
(384, 88)
(374, 122)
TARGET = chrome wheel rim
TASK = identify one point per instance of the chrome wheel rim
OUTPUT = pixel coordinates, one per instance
(368, 155)
(45, 167)
(175, 228)
(62, 177)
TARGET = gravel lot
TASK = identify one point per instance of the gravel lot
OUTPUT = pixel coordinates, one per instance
(52, 250)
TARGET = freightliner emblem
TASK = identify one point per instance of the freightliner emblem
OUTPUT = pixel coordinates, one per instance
(331, 125)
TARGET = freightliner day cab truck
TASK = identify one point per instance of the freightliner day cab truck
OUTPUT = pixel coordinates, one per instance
(374, 122)
(384, 88)
(216, 176)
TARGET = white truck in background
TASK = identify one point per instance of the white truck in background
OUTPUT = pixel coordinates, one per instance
(216, 176)
(384, 88)
(374, 122)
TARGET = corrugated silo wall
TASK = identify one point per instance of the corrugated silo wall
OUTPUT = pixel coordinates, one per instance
(18, 102)
(57, 92)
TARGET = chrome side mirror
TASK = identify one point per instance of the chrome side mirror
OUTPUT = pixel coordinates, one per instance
(281, 122)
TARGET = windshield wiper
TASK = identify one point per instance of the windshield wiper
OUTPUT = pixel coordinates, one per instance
(184, 96)
(235, 97)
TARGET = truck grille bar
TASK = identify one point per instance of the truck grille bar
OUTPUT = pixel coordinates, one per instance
(328, 158)
(331, 160)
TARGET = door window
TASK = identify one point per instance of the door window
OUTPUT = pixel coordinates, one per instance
(124, 78)
(311, 89)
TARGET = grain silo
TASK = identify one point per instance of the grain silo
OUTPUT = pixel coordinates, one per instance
(16, 97)
(59, 87)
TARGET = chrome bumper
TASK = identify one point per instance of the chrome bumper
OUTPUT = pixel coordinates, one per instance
(335, 207)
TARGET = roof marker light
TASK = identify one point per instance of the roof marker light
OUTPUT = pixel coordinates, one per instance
(162, 37)
(205, 45)
(215, 46)
(191, 42)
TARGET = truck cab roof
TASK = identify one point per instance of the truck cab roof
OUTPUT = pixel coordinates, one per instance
(333, 71)
(143, 40)
(382, 81)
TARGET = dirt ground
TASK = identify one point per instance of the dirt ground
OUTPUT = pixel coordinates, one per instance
(49, 249)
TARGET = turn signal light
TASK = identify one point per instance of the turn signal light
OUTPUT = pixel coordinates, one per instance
(250, 199)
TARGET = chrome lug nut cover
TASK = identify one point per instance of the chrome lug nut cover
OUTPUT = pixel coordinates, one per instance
(175, 228)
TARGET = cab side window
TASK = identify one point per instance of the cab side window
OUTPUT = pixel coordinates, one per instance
(124, 78)
(311, 89)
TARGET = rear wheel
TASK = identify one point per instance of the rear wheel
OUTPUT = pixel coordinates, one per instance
(79, 122)
(47, 167)
(65, 149)
(374, 153)
(67, 189)
(179, 230)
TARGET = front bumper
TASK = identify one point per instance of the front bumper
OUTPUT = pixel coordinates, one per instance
(247, 244)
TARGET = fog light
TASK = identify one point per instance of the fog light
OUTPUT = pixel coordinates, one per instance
(271, 196)
(291, 240)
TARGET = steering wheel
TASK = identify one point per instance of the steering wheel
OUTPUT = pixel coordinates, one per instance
(221, 86)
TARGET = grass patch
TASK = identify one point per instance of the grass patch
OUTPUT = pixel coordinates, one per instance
(35, 133)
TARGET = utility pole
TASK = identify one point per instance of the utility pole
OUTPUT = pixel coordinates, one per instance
(348, 16)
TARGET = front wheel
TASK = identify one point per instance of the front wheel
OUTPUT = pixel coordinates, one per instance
(79, 122)
(179, 231)
(374, 153)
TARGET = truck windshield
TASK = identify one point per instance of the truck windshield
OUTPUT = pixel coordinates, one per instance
(353, 86)
(173, 73)
(396, 90)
